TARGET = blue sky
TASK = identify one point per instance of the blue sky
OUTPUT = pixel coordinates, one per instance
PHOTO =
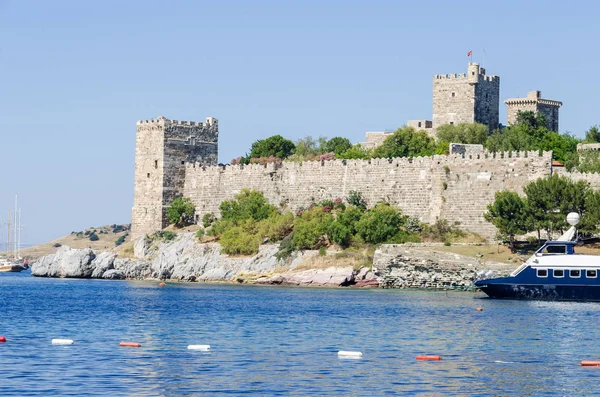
(76, 75)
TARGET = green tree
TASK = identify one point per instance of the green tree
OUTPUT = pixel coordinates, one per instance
(181, 212)
(592, 135)
(248, 204)
(531, 119)
(356, 152)
(562, 145)
(337, 145)
(275, 145)
(473, 133)
(508, 213)
(550, 199)
(380, 223)
(406, 142)
(307, 146)
(311, 228)
(511, 139)
(590, 220)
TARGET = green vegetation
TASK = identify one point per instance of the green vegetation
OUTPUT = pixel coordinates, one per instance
(208, 219)
(544, 208)
(121, 239)
(164, 235)
(93, 236)
(249, 220)
(181, 212)
(406, 142)
(56, 245)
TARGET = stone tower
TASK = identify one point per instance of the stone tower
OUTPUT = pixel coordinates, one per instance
(466, 98)
(162, 148)
(535, 104)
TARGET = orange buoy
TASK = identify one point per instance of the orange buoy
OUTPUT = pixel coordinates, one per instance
(429, 358)
(130, 344)
(2, 339)
(162, 284)
(479, 309)
(590, 363)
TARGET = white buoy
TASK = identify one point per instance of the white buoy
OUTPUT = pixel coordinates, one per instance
(203, 348)
(347, 354)
(62, 341)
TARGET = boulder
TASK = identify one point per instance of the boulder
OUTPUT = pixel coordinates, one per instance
(66, 262)
(103, 262)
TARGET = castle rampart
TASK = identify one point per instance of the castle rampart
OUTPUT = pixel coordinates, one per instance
(453, 187)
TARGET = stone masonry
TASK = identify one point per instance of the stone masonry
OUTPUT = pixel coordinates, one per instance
(536, 104)
(163, 147)
(466, 98)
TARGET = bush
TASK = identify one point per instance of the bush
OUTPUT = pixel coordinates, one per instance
(165, 235)
(181, 212)
(248, 204)
(355, 198)
(200, 234)
(379, 224)
(56, 245)
(310, 230)
(240, 241)
(94, 237)
(340, 234)
(120, 240)
(208, 219)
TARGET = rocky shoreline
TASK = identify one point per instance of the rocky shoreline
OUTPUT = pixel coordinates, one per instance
(184, 259)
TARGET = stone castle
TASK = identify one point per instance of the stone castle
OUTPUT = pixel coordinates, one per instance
(179, 159)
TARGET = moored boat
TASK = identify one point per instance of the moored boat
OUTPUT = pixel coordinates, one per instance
(553, 272)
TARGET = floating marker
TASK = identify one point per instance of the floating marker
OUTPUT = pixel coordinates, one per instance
(130, 344)
(429, 358)
(590, 363)
(161, 284)
(62, 341)
(479, 309)
(203, 348)
(347, 354)
(2, 338)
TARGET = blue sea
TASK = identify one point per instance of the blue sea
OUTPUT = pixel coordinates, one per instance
(278, 341)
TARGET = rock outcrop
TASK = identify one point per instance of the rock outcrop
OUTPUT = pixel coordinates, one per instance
(402, 266)
(184, 259)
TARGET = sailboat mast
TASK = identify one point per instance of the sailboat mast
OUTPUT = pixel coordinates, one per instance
(8, 238)
(15, 224)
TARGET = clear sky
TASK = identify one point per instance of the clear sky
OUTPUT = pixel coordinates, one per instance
(76, 75)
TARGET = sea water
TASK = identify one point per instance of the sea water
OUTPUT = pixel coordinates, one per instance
(278, 341)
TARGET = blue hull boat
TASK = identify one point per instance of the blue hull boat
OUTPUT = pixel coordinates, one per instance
(554, 272)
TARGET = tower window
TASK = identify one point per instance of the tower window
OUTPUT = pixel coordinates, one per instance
(148, 175)
(419, 124)
(452, 123)
(453, 94)
(155, 164)
(183, 162)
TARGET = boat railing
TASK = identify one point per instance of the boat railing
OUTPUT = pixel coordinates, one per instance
(518, 270)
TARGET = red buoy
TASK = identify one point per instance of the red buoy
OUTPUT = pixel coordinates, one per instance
(479, 309)
(130, 344)
(2, 339)
(590, 363)
(429, 358)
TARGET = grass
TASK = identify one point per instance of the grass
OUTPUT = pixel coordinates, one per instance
(105, 242)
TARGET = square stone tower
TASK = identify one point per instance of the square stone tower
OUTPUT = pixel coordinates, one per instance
(535, 104)
(162, 149)
(466, 98)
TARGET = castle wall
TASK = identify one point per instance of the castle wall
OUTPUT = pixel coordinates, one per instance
(487, 103)
(163, 148)
(453, 100)
(451, 187)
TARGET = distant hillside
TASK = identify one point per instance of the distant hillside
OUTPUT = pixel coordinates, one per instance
(97, 238)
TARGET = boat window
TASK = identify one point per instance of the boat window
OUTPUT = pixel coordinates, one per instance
(559, 273)
(575, 273)
(542, 272)
(590, 274)
(554, 249)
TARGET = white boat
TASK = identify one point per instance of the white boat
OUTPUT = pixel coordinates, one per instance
(13, 261)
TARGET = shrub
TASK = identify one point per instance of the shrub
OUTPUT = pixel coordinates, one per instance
(208, 219)
(311, 228)
(165, 235)
(56, 245)
(120, 240)
(94, 237)
(239, 241)
(413, 225)
(340, 234)
(200, 234)
(355, 198)
(277, 226)
(248, 204)
(181, 212)
(379, 224)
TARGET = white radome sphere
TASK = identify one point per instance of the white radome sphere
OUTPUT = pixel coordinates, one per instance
(573, 218)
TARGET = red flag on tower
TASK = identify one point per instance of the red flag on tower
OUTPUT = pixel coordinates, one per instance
(470, 53)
